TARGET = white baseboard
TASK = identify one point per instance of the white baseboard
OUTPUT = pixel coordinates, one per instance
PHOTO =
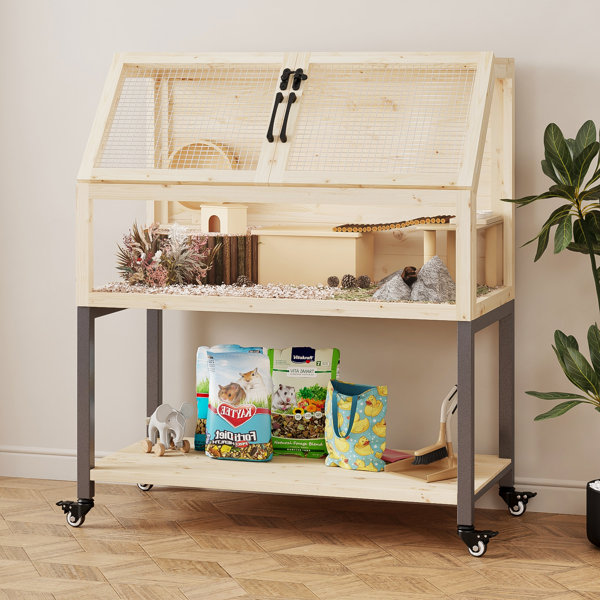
(554, 495)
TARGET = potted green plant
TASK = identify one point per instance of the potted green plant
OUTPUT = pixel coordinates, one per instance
(576, 224)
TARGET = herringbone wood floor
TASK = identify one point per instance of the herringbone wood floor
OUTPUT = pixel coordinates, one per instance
(190, 544)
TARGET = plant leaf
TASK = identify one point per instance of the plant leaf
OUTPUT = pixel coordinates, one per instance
(563, 235)
(521, 201)
(568, 341)
(557, 152)
(593, 337)
(542, 243)
(586, 135)
(558, 410)
(556, 395)
(548, 169)
(582, 162)
(582, 374)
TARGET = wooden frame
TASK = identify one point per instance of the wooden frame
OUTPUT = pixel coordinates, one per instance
(489, 144)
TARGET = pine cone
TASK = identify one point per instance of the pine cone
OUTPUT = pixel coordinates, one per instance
(348, 281)
(409, 274)
(364, 281)
(242, 280)
(333, 281)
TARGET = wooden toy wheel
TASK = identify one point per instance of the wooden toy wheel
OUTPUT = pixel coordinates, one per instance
(147, 446)
(186, 446)
(159, 449)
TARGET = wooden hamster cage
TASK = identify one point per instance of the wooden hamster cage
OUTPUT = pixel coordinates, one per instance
(295, 144)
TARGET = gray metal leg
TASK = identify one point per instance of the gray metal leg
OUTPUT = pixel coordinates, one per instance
(154, 359)
(506, 393)
(76, 510)
(466, 424)
(85, 401)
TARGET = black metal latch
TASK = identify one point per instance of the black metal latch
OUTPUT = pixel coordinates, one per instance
(299, 77)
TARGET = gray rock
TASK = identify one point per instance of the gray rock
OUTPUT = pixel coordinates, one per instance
(392, 288)
(434, 283)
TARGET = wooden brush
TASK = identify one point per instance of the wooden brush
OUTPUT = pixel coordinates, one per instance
(439, 450)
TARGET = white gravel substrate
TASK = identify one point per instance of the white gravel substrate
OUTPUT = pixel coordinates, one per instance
(271, 290)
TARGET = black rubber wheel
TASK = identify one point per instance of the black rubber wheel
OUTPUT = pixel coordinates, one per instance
(145, 487)
(73, 521)
(518, 509)
(478, 550)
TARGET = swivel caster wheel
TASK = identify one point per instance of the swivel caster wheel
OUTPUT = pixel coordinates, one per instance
(516, 501)
(75, 510)
(476, 540)
(74, 520)
(145, 487)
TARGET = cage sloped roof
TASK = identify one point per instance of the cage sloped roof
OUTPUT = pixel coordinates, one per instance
(382, 119)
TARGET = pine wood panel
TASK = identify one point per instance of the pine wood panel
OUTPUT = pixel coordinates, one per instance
(281, 547)
(302, 476)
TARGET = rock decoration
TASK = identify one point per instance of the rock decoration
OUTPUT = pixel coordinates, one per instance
(434, 283)
(392, 289)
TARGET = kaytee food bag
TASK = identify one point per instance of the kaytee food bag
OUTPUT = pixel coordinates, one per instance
(300, 379)
(355, 429)
(238, 425)
(202, 385)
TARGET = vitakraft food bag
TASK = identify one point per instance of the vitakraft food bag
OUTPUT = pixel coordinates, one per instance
(300, 379)
(355, 426)
(238, 425)
(202, 385)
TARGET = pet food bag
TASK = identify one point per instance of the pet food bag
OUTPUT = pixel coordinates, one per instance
(202, 386)
(238, 425)
(300, 379)
(355, 426)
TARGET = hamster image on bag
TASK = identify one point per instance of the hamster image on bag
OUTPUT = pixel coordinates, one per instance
(284, 398)
(300, 377)
(253, 385)
(232, 393)
(238, 425)
(202, 385)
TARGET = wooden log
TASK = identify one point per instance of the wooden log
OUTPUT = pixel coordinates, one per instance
(219, 261)
(241, 255)
(248, 267)
(210, 276)
(226, 260)
(254, 241)
(234, 258)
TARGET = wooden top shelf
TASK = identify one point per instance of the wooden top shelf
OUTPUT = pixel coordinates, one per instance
(284, 474)
(281, 306)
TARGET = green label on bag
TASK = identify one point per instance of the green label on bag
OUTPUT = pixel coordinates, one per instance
(301, 445)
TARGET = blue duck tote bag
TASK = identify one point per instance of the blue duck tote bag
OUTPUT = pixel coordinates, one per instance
(355, 426)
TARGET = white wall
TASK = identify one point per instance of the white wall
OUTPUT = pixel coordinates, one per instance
(54, 58)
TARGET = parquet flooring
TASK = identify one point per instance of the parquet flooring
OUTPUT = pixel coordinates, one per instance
(182, 544)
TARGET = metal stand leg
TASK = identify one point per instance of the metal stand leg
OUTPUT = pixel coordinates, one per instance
(475, 540)
(85, 401)
(506, 393)
(516, 501)
(466, 424)
(76, 510)
(154, 358)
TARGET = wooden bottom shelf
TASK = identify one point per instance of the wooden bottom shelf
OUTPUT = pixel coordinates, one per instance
(285, 475)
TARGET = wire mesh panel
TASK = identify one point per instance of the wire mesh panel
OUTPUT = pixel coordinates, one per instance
(382, 118)
(211, 116)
